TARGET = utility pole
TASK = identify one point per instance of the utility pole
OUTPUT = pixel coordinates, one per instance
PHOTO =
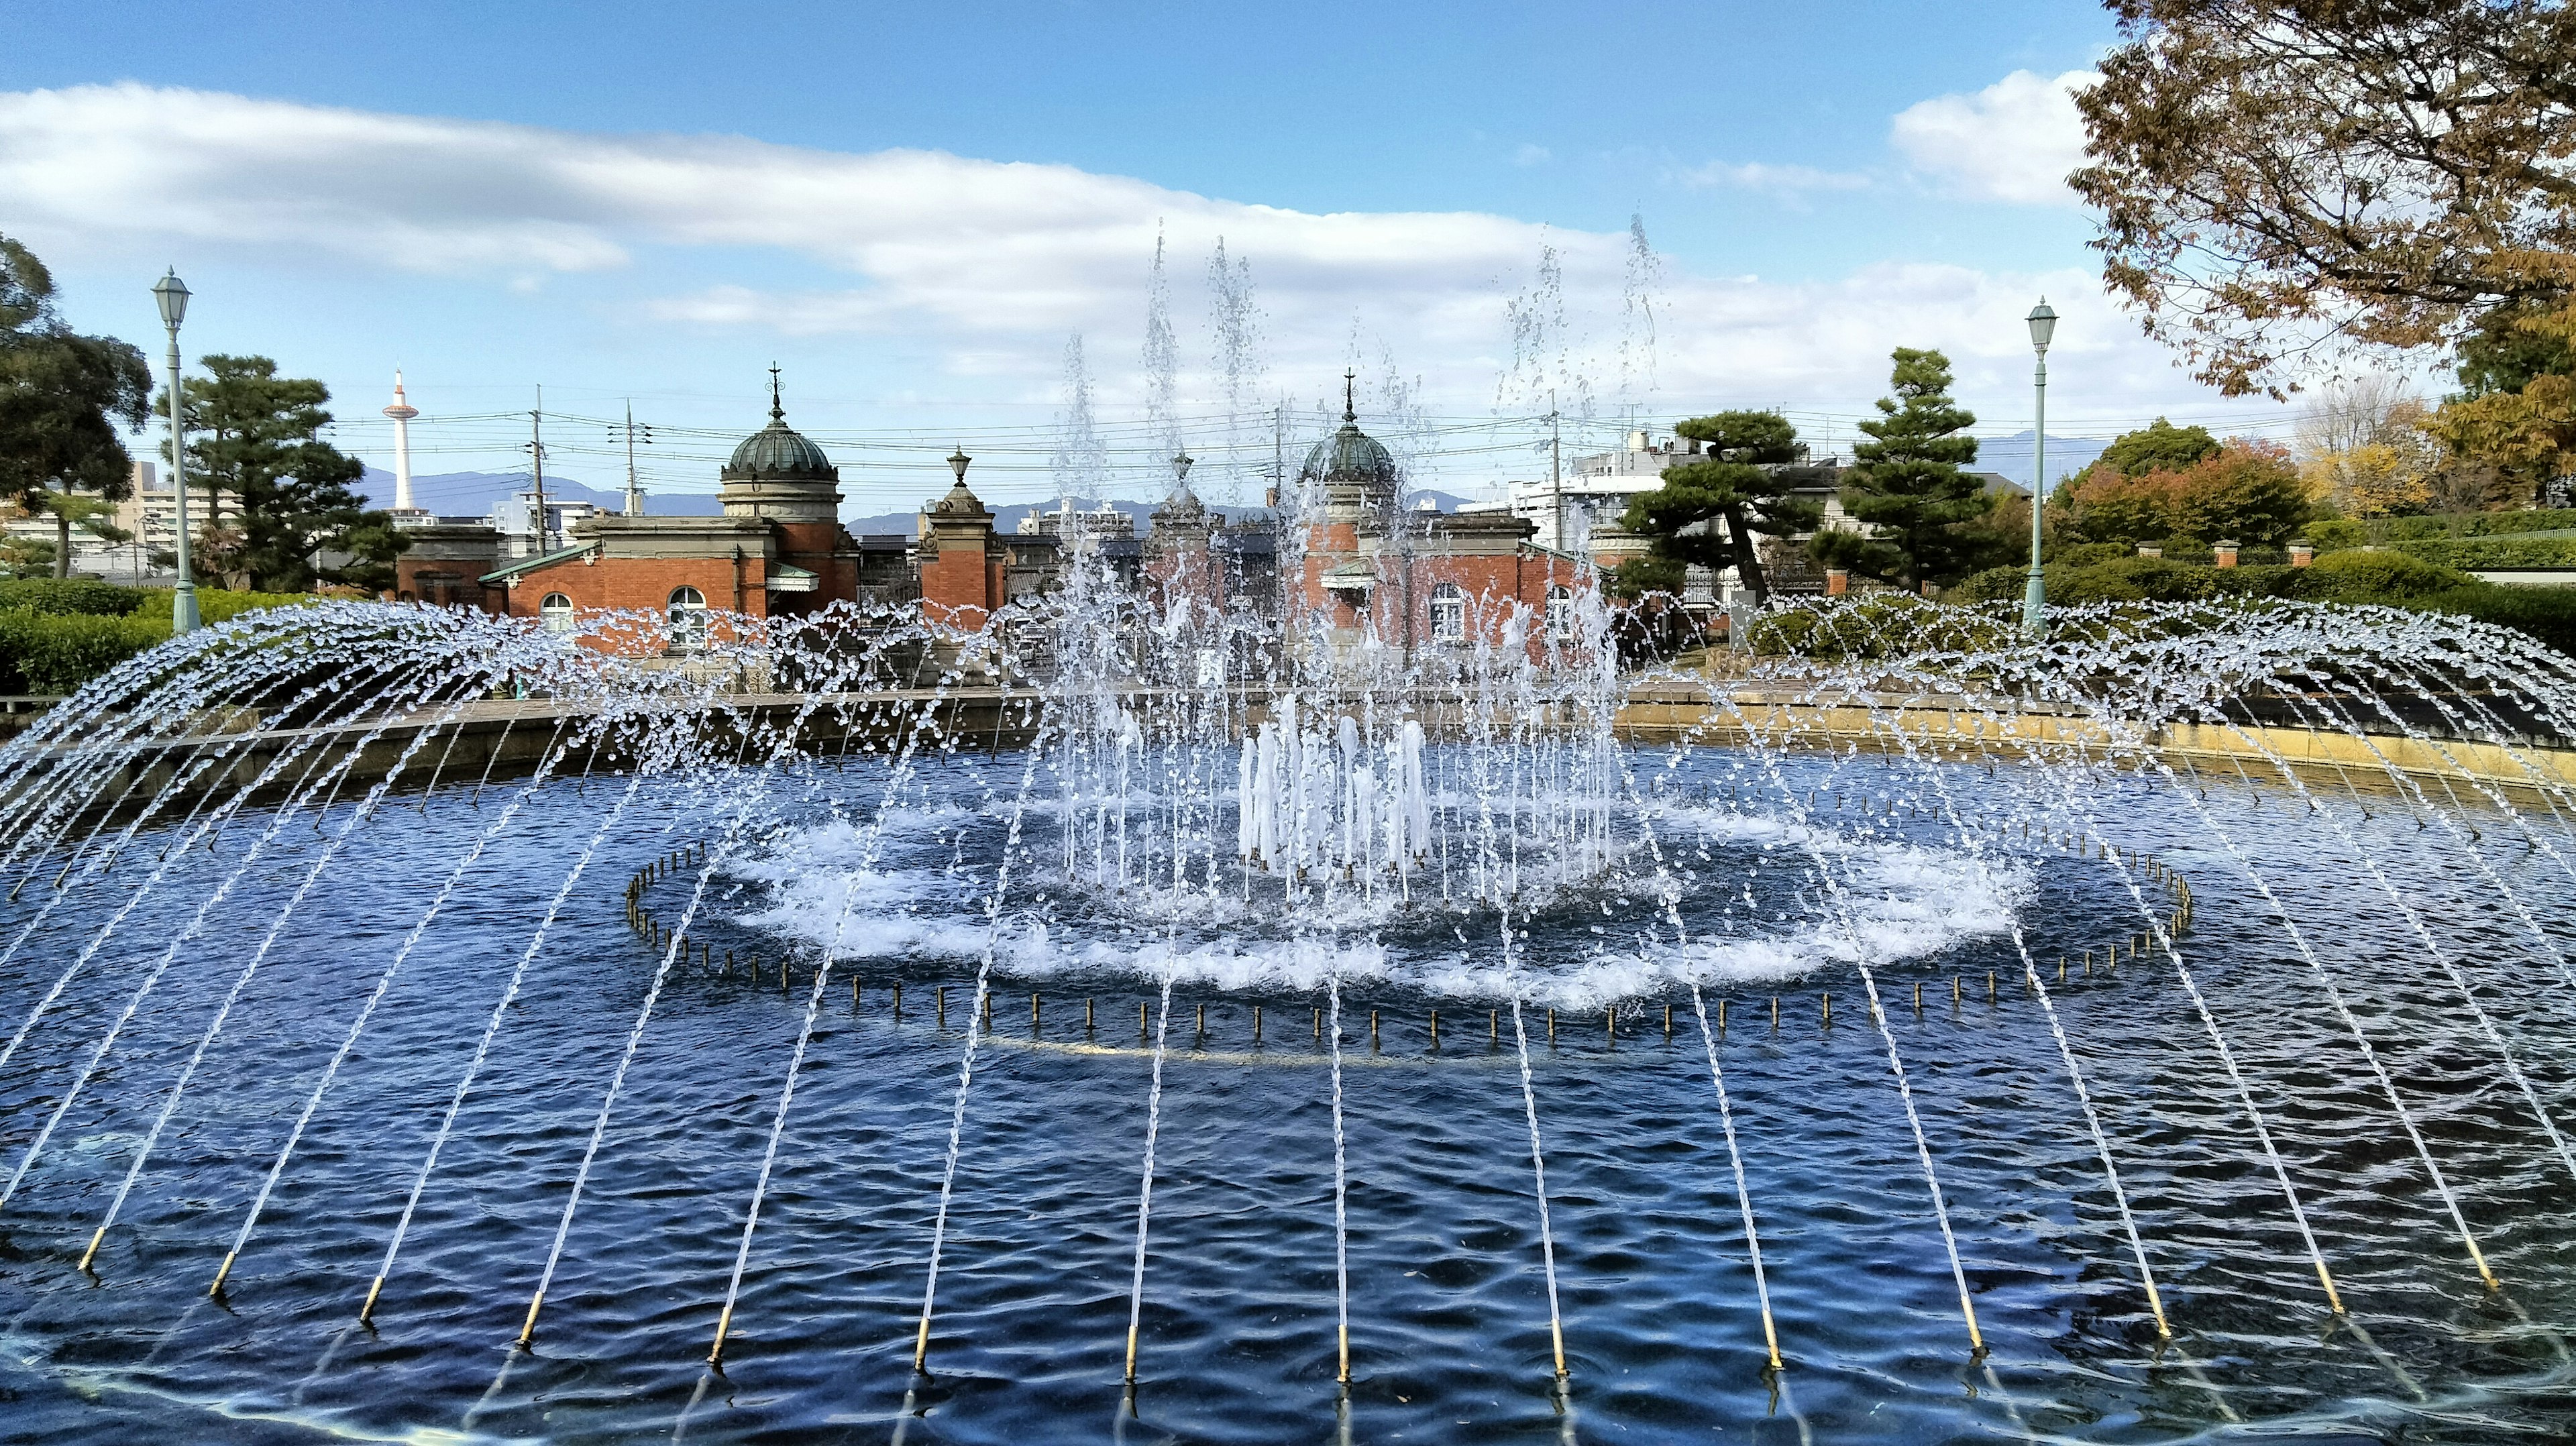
(1278, 451)
(1555, 470)
(634, 489)
(537, 462)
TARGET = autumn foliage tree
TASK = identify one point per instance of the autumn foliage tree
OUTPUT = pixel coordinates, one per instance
(2245, 490)
(2518, 412)
(2275, 179)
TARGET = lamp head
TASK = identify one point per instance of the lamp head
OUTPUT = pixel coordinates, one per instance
(957, 461)
(2043, 324)
(1181, 466)
(172, 294)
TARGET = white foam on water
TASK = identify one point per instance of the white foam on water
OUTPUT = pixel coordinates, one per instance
(1908, 900)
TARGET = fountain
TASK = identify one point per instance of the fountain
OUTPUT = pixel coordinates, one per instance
(421, 1021)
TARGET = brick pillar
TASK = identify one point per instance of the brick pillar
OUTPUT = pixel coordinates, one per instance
(2226, 550)
(961, 567)
(2301, 554)
(1837, 581)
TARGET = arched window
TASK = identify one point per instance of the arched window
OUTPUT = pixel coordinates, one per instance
(1449, 613)
(556, 611)
(1560, 613)
(688, 620)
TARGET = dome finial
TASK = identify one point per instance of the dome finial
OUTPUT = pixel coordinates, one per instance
(1350, 408)
(777, 412)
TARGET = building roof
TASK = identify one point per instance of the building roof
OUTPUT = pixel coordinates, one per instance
(777, 452)
(531, 564)
(1351, 457)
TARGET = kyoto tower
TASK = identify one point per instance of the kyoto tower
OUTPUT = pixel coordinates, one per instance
(402, 411)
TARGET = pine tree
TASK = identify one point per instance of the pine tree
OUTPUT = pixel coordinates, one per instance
(1906, 485)
(257, 436)
(1738, 487)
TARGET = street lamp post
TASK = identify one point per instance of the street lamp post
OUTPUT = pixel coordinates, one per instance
(2034, 598)
(172, 294)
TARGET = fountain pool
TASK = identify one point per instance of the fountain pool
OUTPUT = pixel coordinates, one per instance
(1098, 1079)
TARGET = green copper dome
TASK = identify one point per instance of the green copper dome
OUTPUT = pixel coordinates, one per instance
(778, 452)
(1351, 458)
(1350, 455)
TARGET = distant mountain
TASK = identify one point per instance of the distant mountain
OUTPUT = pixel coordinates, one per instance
(471, 494)
(2011, 457)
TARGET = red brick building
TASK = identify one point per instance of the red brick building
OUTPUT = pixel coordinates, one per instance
(1366, 570)
(778, 550)
(1416, 579)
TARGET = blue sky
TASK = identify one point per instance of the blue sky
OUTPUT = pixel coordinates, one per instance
(912, 208)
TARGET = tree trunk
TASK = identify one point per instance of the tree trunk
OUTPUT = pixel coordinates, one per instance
(62, 545)
(1748, 565)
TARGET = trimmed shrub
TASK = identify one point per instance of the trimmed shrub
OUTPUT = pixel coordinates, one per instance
(2134, 579)
(70, 595)
(1872, 626)
(2089, 554)
(217, 604)
(43, 652)
(2479, 524)
(49, 646)
(2377, 576)
(2547, 614)
(2260, 580)
(1995, 584)
(2494, 552)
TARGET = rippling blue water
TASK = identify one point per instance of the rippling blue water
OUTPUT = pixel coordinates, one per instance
(1449, 1324)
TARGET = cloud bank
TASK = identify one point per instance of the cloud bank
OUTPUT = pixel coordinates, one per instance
(2013, 141)
(992, 263)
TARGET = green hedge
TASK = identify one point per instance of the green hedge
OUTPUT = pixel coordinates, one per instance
(2335, 534)
(43, 652)
(2389, 577)
(49, 647)
(2494, 552)
(70, 595)
(1873, 626)
(217, 604)
(2547, 614)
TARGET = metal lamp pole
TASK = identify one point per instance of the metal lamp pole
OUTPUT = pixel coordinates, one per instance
(2034, 598)
(172, 294)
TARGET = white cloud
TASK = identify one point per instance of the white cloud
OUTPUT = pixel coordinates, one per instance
(2013, 141)
(986, 265)
(1531, 155)
(1762, 176)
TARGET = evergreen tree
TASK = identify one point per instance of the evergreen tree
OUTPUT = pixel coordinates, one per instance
(257, 436)
(1739, 487)
(65, 400)
(1906, 487)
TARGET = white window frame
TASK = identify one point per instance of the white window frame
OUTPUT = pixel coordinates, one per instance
(1562, 624)
(1448, 613)
(556, 612)
(687, 617)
